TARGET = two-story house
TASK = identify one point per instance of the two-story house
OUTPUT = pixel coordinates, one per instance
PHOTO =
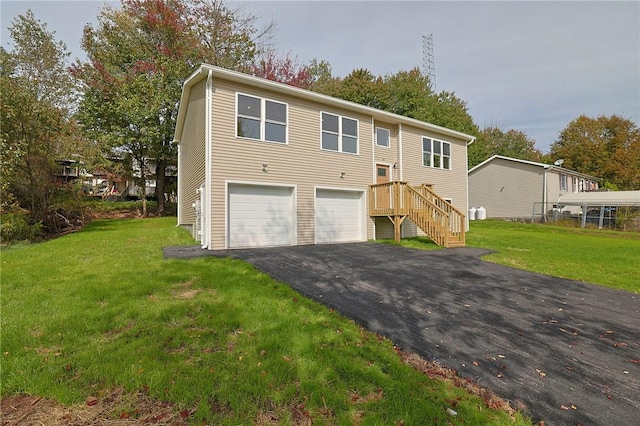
(262, 163)
(512, 188)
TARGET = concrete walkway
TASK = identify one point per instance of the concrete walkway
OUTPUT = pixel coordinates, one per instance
(563, 351)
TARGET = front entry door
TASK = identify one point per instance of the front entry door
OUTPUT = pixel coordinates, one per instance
(382, 193)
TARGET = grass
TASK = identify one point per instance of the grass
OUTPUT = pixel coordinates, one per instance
(607, 258)
(603, 257)
(101, 309)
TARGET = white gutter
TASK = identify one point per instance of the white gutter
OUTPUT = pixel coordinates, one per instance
(324, 99)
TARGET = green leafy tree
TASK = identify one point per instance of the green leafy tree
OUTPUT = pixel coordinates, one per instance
(607, 147)
(139, 56)
(494, 141)
(406, 93)
(37, 96)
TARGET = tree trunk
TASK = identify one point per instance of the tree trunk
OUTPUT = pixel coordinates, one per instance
(161, 168)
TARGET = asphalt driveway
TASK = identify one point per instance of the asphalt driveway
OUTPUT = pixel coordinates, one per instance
(565, 352)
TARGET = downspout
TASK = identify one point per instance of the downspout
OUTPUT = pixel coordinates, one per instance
(206, 223)
(544, 194)
(400, 160)
(466, 162)
(179, 190)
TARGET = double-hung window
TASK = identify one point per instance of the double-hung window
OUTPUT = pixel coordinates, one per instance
(436, 154)
(339, 133)
(563, 182)
(261, 119)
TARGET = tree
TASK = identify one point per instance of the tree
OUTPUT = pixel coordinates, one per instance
(138, 58)
(406, 93)
(494, 141)
(37, 96)
(284, 69)
(607, 147)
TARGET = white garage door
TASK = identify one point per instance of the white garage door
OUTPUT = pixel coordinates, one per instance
(339, 216)
(260, 216)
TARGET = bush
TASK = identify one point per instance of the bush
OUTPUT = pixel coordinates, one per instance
(16, 226)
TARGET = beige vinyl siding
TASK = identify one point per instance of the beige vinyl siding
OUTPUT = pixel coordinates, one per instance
(384, 228)
(508, 189)
(300, 163)
(390, 155)
(451, 183)
(192, 154)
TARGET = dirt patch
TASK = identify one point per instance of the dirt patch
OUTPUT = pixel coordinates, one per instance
(114, 408)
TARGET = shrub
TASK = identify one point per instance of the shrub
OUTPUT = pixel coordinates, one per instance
(16, 226)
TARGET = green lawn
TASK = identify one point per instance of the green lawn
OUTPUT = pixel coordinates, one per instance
(101, 309)
(608, 258)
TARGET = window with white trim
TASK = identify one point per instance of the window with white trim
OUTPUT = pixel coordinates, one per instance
(261, 119)
(382, 137)
(339, 133)
(436, 154)
(575, 184)
(563, 182)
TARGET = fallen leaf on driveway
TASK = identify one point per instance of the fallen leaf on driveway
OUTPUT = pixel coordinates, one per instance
(634, 361)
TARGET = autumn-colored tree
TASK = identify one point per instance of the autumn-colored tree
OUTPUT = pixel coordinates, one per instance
(138, 57)
(607, 147)
(37, 95)
(494, 141)
(283, 69)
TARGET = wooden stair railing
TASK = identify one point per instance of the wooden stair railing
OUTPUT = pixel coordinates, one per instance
(437, 218)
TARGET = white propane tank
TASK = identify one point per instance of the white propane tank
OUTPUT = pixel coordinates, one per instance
(472, 213)
(481, 213)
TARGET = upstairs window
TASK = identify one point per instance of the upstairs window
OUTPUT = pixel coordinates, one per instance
(339, 133)
(436, 154)
(261, 119)
(382, 137)
(563, 182)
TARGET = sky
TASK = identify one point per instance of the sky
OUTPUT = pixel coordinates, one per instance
(528, 66)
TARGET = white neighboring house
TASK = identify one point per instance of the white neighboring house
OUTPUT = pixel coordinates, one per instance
(520, 189)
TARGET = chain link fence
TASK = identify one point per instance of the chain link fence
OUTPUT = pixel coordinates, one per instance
(625, 218)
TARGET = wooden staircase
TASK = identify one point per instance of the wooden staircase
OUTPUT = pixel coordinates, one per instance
(437, 218)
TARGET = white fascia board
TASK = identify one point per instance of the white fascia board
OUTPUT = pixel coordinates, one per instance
(320, 98)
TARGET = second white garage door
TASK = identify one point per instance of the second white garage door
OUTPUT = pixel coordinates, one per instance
(339, 216)
(260, 216)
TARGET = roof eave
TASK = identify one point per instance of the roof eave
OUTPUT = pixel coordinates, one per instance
(318, 97)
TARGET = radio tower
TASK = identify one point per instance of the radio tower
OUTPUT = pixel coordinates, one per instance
(428, 63)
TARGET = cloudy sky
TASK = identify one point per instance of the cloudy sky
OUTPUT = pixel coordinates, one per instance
(529, 66)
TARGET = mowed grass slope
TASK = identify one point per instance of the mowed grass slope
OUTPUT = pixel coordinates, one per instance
(608, 258)
(225, 344)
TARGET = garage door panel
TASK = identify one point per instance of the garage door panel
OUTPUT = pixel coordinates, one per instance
(339, 216)
(260, 216)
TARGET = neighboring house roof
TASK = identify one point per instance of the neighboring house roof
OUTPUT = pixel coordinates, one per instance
(206, 70)
(604, 198)
(533, 163)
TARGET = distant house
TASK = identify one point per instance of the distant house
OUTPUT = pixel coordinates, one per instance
(520, 189)
(262, 163)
